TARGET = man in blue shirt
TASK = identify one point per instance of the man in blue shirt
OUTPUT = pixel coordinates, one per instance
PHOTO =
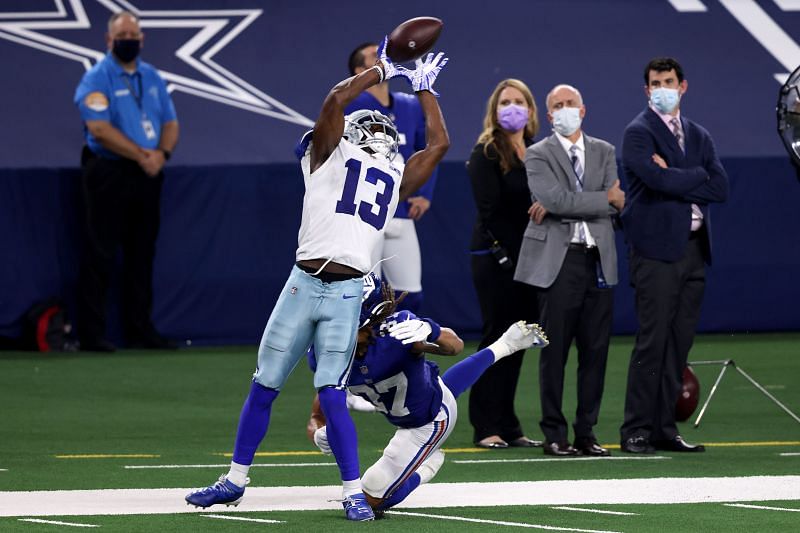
(404, 270)
(131, 128)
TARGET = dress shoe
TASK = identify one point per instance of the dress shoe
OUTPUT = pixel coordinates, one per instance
(559, 449)
(492, 443)
(677, 444)
(637, 445)
(525, 442)
(97, 345)
(589, 446)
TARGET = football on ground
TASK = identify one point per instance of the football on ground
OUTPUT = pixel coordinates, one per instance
(413, 38)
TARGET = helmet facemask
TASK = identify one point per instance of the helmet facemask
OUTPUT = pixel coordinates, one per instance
(372, 132)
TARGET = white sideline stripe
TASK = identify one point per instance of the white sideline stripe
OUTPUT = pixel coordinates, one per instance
(55, 522)
(561, 459)
(498, 522)
(765, 507)
(243, 519)
(228, 465)
(3, 469)
(431, 495)
(789, 454)
(598, 511)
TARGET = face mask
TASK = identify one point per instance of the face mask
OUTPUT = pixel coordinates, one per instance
(665, 100)
(567, 120)
(512, 117)
(126, 50)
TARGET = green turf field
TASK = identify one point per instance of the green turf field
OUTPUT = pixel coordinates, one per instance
(89, 422)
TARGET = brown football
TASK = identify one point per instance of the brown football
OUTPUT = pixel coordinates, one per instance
(413, 38)
(688, 397)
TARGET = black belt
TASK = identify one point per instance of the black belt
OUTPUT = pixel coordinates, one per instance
(582, 247)
(328, 277)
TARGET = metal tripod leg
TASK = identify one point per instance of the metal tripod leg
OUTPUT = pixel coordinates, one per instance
(725, 364)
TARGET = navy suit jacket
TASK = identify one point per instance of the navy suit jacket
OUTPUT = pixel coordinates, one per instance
(658, 203)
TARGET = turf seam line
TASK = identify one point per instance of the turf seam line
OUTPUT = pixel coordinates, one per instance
(243, 519)
(598, 511)
(762, 507)
(55, 522)
(498, 522)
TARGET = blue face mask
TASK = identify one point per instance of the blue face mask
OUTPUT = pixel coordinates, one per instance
(665, 100)
(567, 120)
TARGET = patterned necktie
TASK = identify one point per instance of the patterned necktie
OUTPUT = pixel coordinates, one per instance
(677, 131)
(576, 166)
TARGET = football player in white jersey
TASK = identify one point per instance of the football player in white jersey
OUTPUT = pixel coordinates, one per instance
(352, 190)
(391, 373)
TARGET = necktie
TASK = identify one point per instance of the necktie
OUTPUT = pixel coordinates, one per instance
(678, 132)
(576, 166)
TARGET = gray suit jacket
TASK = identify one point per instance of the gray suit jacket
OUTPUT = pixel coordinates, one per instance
(551, 181)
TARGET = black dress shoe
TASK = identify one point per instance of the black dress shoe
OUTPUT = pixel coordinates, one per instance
(559, 449)
(525, 442)
(637, 445)
(97, 345)
(589, 446)
(677, 444)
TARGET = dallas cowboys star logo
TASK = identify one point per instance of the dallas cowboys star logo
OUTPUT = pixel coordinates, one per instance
(217, 28)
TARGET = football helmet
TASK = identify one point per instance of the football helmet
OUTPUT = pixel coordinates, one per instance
(373, 302)
(788, 109)
(371, 131)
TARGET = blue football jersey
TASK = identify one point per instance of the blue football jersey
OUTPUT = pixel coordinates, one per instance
(402, 385)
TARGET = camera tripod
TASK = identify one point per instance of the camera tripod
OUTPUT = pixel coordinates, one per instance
(725, 364)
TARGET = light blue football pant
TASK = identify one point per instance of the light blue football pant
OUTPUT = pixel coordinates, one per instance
(310, 311)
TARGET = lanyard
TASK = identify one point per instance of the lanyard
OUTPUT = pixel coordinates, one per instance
(136, 96)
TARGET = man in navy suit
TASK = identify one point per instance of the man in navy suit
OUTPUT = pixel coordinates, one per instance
(673, 174)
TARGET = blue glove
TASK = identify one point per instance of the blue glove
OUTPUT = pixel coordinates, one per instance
(390, 70)
(426, 72)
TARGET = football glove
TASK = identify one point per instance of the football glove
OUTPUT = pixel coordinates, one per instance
(390, 70)
(423, 77)
(410, 331)
(321, 440)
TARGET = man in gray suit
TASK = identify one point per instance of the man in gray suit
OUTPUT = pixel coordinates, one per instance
(569, 253)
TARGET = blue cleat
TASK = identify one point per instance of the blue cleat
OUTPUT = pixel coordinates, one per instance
(223, 491)
(356, 508)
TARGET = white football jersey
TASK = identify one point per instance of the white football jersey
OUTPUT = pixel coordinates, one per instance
(347, 204)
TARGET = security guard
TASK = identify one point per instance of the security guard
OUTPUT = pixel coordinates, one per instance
(131, 129)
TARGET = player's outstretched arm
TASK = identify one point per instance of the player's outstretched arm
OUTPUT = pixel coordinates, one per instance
(422, 164)
(448, 343)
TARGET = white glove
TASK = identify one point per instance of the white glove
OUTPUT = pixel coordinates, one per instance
(357, 403)
(410, 331)
(425, 74)
(390, 70)
(321, 440)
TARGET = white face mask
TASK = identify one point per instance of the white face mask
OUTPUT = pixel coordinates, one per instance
(567, 120)
(664, 99)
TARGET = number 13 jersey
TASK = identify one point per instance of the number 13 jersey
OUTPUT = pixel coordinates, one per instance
(347, 203)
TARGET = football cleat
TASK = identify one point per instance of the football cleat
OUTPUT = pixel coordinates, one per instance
(519, 336)
(357, 509)
(223, 491)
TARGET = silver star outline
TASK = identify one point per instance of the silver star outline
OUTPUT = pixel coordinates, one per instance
(24, 28)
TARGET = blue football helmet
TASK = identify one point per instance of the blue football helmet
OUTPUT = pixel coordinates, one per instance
(373, 302)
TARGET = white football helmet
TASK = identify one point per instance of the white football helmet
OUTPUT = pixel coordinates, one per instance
(372, 131)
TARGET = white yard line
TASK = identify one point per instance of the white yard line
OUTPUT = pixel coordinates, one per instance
(598, 511)
(789, 454)
(764, 507)
(55, 522)
(431, 495)
(274, 465)
(498, 522)
(561, 459)
(242, 518)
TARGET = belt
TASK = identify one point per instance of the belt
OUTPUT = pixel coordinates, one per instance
(328, 277)
(582, 247)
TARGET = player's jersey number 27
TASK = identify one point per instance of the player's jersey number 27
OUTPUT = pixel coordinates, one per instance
(365, 210)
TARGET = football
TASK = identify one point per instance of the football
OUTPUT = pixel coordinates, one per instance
(688, 396)
(413, 38)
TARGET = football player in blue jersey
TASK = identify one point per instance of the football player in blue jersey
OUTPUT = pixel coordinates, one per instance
(399, 241)
(352, 189)
(391, 373)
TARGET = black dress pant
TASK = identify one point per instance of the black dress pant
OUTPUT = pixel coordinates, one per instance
(573, 307)
(503, 301)
(122, 208)
(668, 301)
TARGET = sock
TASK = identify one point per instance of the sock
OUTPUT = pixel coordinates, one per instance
(351, 487)
(238, 474)
(401, 493)
(466, 372)
(341, 432)
(412, 302)
(253, 423)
